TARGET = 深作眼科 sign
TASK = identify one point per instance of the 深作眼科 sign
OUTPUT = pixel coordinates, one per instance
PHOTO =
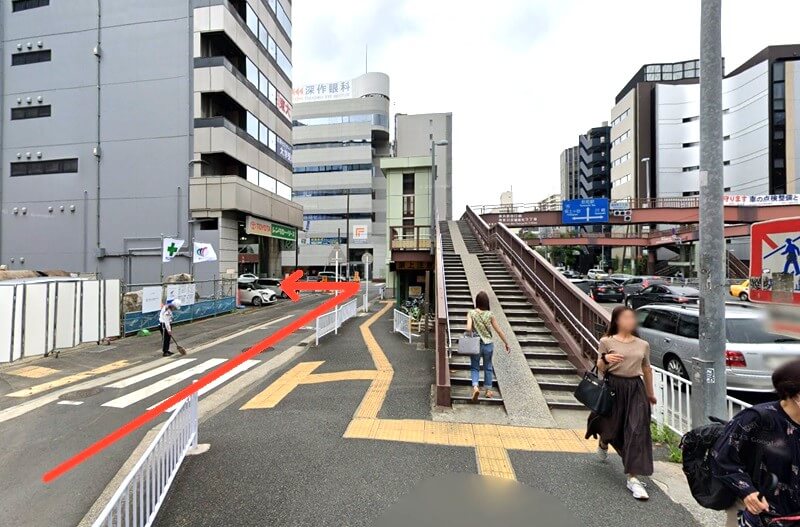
(270, 229)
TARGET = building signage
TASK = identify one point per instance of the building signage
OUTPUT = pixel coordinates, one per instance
(583, 211)
(620, 204)
(272, 230)
(738, 200)
(321, 240)
(284, 106)
(324, 91)
(284, 149)
(360, 234)
(412, 266)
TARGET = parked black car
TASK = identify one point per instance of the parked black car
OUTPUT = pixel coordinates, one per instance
(637, 283)
(573, 275)
(607, 291)
(662, 294)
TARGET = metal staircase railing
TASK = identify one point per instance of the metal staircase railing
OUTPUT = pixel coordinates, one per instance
(443, 337)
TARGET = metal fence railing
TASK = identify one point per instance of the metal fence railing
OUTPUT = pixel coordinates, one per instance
(402, 324)
(674, 407)
(331, 321)
(141, 494)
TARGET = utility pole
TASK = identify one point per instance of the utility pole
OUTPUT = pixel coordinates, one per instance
(709, 387)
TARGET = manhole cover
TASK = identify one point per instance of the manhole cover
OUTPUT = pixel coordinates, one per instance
(81, 394)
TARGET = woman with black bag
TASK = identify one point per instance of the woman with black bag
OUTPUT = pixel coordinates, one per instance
(624, 358)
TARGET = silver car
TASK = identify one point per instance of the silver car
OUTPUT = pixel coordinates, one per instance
(253, 294)
(752, 351)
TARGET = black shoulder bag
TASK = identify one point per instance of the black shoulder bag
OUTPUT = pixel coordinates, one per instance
(595, 393)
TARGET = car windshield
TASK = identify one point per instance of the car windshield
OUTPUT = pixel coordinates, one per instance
(753, 331)
(606, 283)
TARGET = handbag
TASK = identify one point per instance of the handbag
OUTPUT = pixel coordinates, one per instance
(595, 393)
(469, 344)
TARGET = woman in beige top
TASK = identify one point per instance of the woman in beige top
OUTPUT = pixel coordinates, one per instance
(624, 358)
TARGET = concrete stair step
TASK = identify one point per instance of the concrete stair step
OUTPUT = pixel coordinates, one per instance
(562, 400)
(544, 352)
(524, 321)
(463, 377)
(558, 382)
(552, 366)
(463, 394)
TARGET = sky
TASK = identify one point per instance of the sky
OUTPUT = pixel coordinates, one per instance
(523, 78)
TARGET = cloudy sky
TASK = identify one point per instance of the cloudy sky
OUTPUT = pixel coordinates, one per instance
(522, 77)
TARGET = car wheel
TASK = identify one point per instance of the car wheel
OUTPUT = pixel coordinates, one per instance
(257, 301)
(675, 366)
(744, 297)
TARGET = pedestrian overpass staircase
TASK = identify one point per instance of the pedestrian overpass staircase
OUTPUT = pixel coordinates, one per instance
(556, 325)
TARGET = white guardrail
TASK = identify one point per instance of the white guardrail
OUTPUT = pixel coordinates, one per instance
(674, 406)
(402, 324)
(331, 321)
(138, 499)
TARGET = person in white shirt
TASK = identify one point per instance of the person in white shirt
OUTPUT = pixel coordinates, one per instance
(165, 324)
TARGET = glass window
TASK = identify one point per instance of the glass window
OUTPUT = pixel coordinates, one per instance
(689, 327)
(251, 19)
(283, 20)
(251, 71)
(284, 64)
(22, 5)
(263, 133)
(778, 90)
(273, 94)
(272, 5)
(778, 71)
(267, 182)
(263, 84)
(779, 118)
(655, 68)
(272, 140)
(252, 175)
(752, 331)
(263, 36)
(252, 125)
(779, 104)
(31, 57)
(662, 321)
(284, 191)
(272, 48)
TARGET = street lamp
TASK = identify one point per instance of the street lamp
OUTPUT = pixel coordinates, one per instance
(434, 177)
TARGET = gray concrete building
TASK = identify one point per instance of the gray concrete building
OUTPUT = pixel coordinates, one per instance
(570, 174)
(341, 130)
(124, 121)
(414, 135)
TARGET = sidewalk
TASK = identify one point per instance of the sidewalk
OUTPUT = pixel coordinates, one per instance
(342, 434)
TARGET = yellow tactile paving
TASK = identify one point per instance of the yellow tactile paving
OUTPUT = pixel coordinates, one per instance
(494, 461)
(352, 375)
(33, 372)
(282, 387)
(70, 379)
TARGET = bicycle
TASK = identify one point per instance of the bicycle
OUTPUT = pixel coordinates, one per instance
(771, 519)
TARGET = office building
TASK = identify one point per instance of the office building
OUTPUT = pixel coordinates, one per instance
(341, 130)
(595, 163)
(125, 124)
(570, 172)
(414, 135)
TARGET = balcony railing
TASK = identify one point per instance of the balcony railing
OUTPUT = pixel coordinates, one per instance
(411, 238)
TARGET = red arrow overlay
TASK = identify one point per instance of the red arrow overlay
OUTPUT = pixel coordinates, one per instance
(290, 286)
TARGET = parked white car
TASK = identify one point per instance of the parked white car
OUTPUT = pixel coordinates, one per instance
(256, 295)
(597, 274)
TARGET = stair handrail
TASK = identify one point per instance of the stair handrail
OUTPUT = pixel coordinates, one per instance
(581, 320)
(443, 338)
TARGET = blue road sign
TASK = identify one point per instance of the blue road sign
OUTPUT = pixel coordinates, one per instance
(583, 211)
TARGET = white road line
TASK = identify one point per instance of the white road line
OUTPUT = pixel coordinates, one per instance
(71, 403)
(238, 334)
(143, 393)
(243, 367)
(130, 381)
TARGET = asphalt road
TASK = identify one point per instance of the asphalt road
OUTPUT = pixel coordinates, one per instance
(35, 441)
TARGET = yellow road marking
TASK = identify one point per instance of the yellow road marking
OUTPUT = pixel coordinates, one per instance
(33, 372)
(351, 375)
(494, 461)
(282, 387)
(70, 379)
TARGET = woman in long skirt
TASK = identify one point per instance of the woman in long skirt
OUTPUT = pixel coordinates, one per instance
(624, 359)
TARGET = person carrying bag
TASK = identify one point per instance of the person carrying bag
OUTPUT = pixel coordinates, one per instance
(482, 321)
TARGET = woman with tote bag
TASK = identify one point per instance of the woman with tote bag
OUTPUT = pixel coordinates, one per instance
(624, 358)
(482, 321)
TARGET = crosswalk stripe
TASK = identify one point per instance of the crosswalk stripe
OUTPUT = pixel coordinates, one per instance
(243, 367)
(130, 381)
(147, 391)
(70, 379)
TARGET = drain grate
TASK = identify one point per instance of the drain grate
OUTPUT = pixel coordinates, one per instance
(81, 394)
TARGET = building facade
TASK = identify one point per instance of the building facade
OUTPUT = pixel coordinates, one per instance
(341, 130)
(107, 147)
(594, 167)
(414, 137)
(570, 166)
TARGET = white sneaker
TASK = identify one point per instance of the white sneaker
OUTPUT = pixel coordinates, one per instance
(637, 489)
(602, 454)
